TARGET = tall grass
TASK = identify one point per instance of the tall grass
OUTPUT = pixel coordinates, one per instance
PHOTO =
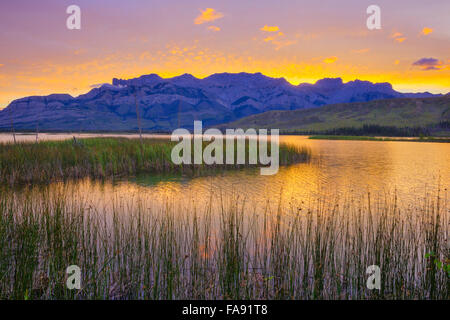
(104, 158)
(224, 249)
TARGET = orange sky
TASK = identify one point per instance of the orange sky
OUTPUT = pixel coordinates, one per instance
(302, 41)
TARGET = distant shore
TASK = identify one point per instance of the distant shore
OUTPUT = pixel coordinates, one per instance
(369, 138)
(7, 137)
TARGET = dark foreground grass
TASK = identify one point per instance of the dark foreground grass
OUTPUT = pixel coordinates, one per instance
(319, 251)
(105, 158)
(369, 138)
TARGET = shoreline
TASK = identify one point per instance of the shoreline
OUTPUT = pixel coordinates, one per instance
(370, 138)
(6, 137)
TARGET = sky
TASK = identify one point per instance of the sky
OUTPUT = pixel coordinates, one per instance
(300, 40)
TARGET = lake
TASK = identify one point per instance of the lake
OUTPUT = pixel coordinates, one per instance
(338, 168)
(310, 231)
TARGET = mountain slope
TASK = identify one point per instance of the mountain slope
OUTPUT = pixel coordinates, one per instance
(166, 104)
(400, 113)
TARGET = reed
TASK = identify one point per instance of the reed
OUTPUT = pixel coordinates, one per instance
(224, 249)
(102, 158)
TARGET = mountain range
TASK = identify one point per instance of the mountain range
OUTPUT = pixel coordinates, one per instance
(166, 104)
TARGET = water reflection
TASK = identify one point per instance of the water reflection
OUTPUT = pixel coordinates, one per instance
(337, 169)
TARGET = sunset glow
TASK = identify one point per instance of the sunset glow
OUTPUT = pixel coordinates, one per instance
(302, 41)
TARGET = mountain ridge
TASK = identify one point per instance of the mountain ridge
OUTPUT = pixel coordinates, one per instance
(407, 116)
(168, 103)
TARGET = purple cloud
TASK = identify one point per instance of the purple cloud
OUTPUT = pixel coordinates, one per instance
(428, 64)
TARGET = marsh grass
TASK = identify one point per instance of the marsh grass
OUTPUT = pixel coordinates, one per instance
(224, 249)
(101, 158)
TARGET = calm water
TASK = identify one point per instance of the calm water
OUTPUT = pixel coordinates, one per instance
(322, 204)
(337, 166)
(337, 170)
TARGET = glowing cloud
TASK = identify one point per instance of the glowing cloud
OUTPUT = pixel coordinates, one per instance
(397, 36)
(278, 39)
(330, 60)
(214, 28)
(208, 15)
(426, 31)
(427, 64)
(267, 28)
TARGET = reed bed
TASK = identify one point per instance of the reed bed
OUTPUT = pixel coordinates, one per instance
(101, 158)
(224, 249)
